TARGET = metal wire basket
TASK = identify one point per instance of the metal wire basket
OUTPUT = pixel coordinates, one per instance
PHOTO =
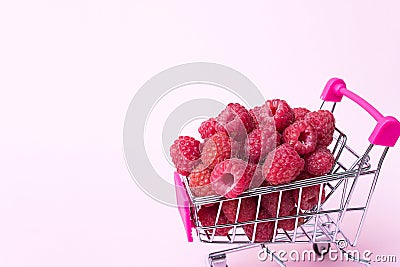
(321, 225)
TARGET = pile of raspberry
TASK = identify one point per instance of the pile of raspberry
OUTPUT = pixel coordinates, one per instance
(242, 149)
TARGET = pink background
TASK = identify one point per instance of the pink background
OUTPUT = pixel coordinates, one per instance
(68, 70)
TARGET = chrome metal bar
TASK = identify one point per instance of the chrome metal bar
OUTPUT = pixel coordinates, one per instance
(375, 180)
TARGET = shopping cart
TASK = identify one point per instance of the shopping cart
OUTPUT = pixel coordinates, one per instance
(322, 226)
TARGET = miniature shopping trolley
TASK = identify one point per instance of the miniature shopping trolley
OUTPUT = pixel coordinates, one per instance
(325, 224)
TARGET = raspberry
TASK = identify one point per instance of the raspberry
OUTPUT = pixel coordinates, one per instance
(319, 162)
(324, 124)
(235, 120)
(207, 128)
(248, 209)
(270, 203)
(216, 149)
(282, 165)
(255, 171)
(199, 181)
(309, 195)
(185, 154)
(229, 178)
(300, 113)
(283, 114)
(259, 143)
(208, 216)
(264, 231)
(289, 224)
(301, 136)
(261, 115)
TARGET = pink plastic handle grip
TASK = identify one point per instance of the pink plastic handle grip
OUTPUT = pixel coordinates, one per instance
(387, 129)
(183, 202)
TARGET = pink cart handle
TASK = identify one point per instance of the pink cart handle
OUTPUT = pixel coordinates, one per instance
(387, 129)
(183, 202)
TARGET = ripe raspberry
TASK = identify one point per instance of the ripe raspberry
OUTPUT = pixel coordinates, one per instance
(300, 113)
(283, 114)
(301, 136)
(324, 124)
(264, 231)
(289, 224)
(260, 142)
(199, 181)
(261, 115)
(319, 162)
(235, 120)
(282, 165)
(248, 209)
(255, 171)
(208, 217)
(185, 154)
(309, 195)
(229, 178)
(270, 203)
(207, 128)
(216, 149)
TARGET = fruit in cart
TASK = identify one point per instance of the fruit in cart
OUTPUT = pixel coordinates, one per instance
(282, 113)
(248, 209)
(300, 113)
(301, 136)
(309, 194)
(216, 149)
(199, 181)
(235, 120)
(255, 171)
(185, 154)
(324, 124)
(260, 142)
(264, 230)
(208, 217)
(270, 203)
(282, 165)
(289, 224)
(207, 128)
(231, 177)
(319, 162)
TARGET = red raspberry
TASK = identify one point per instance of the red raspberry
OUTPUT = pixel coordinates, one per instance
(255, 171)
(260, 142)
(261, 115)
(282, 165)
(208, 216)
(289, 224)
(185, 154)
(319, 162)
(264, 231)
(324, 124)
(300, 113)
(216, 149)
(270, 203)
(301, 136)
(229, 178)
(235, 120)
(207, 128)
(309, 195)
(199, 181)
(248, 209)
(283, 114)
